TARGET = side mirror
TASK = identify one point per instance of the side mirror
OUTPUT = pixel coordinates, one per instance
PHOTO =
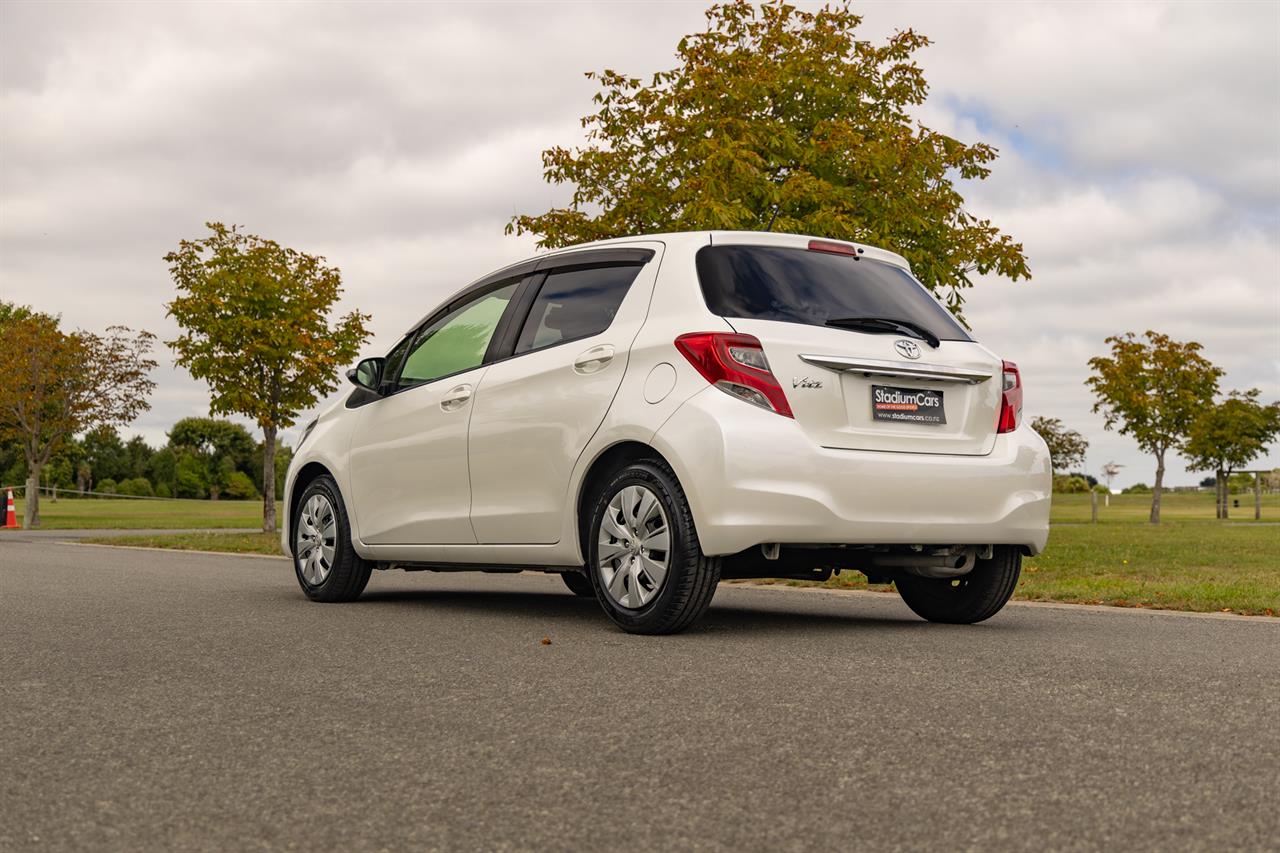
(368, 374)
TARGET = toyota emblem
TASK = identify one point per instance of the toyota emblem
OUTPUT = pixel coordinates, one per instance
(908, 349)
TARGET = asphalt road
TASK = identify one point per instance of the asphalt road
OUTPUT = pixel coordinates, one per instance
(160, 700)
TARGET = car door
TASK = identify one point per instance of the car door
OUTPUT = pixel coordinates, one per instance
(408, 453)
(536, 409)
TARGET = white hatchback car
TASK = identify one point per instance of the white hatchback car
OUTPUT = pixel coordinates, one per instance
(649, 416)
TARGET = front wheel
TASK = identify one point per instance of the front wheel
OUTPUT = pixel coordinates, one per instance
(969, 598)
(643, 556)
(328, 568)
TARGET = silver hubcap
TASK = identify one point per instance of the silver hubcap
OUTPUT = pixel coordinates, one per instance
(634, 547)
(315, 538)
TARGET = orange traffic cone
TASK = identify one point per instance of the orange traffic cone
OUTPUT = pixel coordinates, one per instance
(10, 516)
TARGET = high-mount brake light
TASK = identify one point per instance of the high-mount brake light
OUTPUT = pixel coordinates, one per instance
(735, 364)
(1010, 398)
(833, 248)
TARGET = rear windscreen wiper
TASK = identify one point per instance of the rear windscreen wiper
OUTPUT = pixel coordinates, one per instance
(886, 324)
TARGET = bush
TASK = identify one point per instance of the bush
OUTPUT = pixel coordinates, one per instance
(1137, 489)
(137, 487)
(1102, 489)
(239, 487)
(1070, 485)
(162, 490)
(107, 486)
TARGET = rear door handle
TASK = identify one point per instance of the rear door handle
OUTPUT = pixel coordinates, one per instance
(455, 398)
(594, 360)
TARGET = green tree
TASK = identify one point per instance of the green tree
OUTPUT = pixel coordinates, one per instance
(56, 385)
(780, 119)
(1066, 446)
(162, 470)
(106, 454)
(1229, 435)
(190, 475)
(222, 447)
(256, 326)
(139, 453)
(1153, 390)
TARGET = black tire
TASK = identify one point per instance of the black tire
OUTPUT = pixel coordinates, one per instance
(691, 577)
(967, 599)
(578, 583)
(349, 574)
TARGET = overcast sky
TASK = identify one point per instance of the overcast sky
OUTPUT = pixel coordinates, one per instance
(1140, 160)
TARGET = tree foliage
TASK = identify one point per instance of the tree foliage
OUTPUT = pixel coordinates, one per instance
(1067, 447)
(780, 119)
(256, 327)
(223, 448)
(1229, 435)
(1153, 389)
(57, 384)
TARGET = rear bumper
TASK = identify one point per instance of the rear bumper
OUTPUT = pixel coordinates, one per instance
(754, 477)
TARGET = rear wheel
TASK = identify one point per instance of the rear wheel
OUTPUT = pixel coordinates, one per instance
(644, 560)
(578, 583)
(327, 567)
(969, 598)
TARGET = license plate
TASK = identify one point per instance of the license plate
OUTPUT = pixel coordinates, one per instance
(910, 405)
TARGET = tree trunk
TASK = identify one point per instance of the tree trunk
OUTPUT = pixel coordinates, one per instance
(268, 479)
(1220, 492)
(1257, 497)
(1159, 487)
(31, 508)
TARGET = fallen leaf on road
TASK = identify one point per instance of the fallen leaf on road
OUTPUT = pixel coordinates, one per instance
(546, 641)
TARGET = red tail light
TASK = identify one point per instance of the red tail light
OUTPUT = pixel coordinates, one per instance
(1010, 398)
(736, 365)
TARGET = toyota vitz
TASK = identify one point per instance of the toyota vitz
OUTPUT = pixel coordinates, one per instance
(649, 416)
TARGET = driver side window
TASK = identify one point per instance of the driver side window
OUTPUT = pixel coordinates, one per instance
(455, 342)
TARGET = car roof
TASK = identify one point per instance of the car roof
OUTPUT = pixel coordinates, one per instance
(751, 238)
(689, 240)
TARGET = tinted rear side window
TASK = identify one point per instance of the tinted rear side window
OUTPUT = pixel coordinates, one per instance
(802, 286)
(575, 304)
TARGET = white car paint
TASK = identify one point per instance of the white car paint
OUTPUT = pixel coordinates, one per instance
(497, 479)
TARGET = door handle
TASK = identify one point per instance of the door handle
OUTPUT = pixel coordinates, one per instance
(455, 398)
(594, 360)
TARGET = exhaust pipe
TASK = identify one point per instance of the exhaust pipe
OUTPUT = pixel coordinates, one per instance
(951, 564)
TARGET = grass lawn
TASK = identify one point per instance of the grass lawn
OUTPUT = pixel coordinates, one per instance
(1189, 562)
(239, 543)
(122, 514)
(1173, 506)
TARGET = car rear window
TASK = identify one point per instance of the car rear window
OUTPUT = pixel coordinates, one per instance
(804, 286)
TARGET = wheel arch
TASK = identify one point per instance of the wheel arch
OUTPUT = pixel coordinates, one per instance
(613, 458)
(306, 475)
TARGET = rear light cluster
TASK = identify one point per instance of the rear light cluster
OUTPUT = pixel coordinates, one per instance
(1010, 398)
(736, 365)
